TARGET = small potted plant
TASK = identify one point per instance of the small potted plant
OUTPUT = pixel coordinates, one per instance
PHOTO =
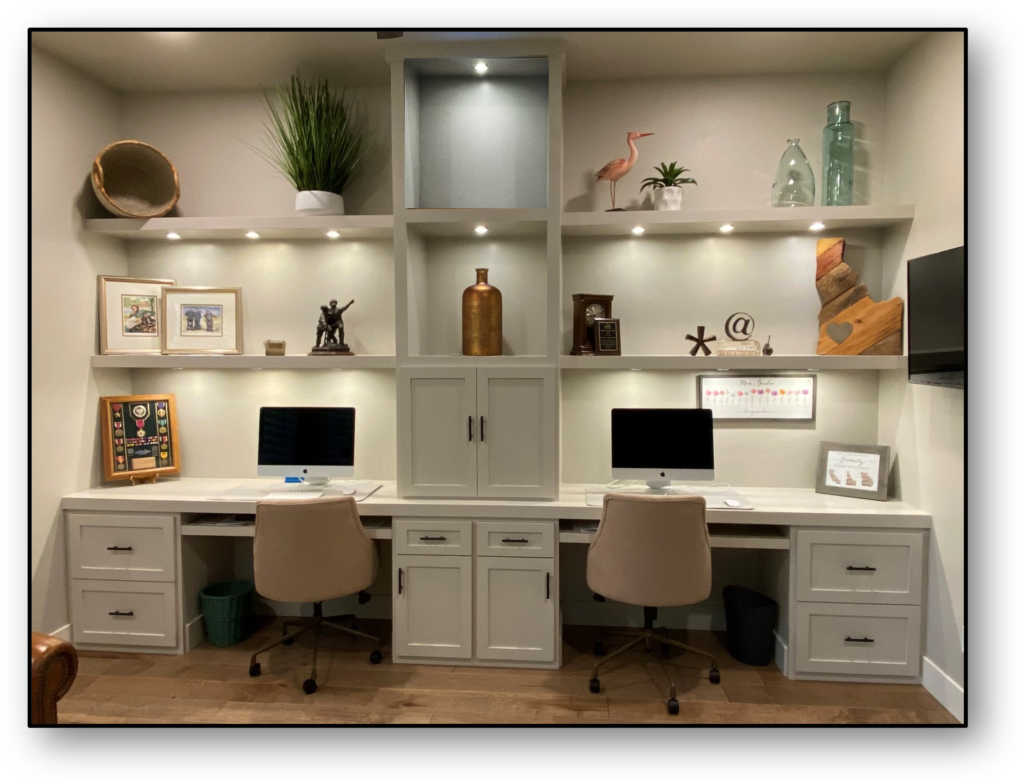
(668, 192)
(314, 143)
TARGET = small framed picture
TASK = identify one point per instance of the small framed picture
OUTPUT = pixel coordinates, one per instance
(140, 437)
(131, 321)
(607, 342)
(202, 320)
(781, 397)
(856, 470)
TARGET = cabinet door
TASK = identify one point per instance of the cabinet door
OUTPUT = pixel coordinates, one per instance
(516, 601)
(437, 438)
(518, 455)
(433, 615)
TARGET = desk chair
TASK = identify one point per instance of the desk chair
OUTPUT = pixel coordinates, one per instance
(312, 551)
(651, 551)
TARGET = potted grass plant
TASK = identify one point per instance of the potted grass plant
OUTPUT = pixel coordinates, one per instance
(668, 191)
(313, 141)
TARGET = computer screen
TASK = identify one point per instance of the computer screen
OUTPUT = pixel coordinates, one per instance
(668, 443)
(306, 441)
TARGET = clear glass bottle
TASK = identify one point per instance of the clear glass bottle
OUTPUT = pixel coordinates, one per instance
(837, 157)
(794, 180)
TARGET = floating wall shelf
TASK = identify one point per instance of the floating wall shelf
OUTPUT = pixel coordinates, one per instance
(240, 362)
(287, 227)
(797, 362)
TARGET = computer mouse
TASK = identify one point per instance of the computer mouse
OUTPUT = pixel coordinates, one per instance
(349, 491)
(732, 502)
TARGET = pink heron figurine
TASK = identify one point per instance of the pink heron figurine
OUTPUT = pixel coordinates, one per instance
(617, 169)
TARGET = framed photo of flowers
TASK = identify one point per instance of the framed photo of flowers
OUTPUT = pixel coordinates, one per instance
(131, 321)
(202, 320)
(771, 397)
(140, 437)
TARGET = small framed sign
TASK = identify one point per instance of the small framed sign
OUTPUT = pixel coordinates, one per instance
(857, 470)
(131, 321)
(607, 342)
(140, 437)
(201, 320)
(783, 398)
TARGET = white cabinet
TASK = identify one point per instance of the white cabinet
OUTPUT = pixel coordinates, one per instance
(121, 547)
(516, 605)
(491, 433)
(118, 612)
(433, 606)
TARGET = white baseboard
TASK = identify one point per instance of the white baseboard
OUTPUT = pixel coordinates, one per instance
(63, 633)
(781, 655)
(943, 688)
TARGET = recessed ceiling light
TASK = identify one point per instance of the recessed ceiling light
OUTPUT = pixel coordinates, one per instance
(252, 235)
(638, 230)
(333, 234)
(173, 235)
(481, 230)
(726, 228)
(480, 68)
(817, 226)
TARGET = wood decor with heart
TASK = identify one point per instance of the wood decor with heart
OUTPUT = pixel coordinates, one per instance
(850, 322)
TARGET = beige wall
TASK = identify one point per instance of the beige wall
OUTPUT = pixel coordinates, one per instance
(925, 425)
(73, 118)
(730, 131)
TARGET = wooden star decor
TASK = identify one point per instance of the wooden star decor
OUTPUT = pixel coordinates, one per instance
(850, 322)
(700, 342)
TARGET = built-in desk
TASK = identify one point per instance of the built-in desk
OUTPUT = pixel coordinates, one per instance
(847, 573)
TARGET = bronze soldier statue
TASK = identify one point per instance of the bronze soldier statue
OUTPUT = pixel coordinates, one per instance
(331, 328)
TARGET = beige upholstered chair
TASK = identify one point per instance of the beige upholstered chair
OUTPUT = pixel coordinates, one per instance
(312, 551)
(652, 551)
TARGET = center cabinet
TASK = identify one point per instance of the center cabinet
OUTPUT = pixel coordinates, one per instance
(478, 432)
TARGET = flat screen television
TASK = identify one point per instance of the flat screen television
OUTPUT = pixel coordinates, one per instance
(936, 316)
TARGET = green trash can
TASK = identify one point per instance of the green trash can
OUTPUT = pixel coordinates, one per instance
(226, 610)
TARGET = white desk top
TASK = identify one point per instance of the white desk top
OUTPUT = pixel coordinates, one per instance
(772, 505)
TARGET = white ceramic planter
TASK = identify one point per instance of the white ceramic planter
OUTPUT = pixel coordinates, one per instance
(670, 198)
(319, 203)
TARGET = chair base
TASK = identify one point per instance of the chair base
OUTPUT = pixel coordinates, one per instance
(316, 624)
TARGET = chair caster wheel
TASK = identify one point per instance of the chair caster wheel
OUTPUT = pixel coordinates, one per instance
(309, 686)
(288, 642)
(599, 648)
(673, 707)
(354, 627)
(595, 686)
(254, 670)
(364, 597)
(666, 649)
(376, 657)
(715, 676)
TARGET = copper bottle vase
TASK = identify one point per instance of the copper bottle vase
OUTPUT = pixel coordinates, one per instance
(481, 318)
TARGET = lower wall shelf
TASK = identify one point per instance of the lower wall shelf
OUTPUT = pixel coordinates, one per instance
(799, 362)
(241, 362)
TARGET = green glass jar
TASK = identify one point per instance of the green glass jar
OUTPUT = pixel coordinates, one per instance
(837, 157)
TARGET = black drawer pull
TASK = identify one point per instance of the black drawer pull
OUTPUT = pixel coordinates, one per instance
(548, 590)
(433, 539)
(859, 639)
(470, 428)
(129, 614)
(121, 549)
(861, 569)
(399, 580)
(515, 541)
(483, 431)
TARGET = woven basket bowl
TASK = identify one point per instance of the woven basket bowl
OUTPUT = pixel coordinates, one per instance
(135, 180)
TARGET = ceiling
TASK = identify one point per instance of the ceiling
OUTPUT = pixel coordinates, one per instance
(180, 61)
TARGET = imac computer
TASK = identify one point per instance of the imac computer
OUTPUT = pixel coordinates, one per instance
(313, 443)
(662, 444)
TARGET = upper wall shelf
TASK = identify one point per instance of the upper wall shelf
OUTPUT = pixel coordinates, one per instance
(499, 222)
(284, 227)
(776, 220)
(240, 362)
(798, 362)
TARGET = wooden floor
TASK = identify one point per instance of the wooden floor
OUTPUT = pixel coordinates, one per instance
(212, 685)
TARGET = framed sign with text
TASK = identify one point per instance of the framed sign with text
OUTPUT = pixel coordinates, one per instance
(140, 437)
(607, 341)
(857, 470)
(783, 397)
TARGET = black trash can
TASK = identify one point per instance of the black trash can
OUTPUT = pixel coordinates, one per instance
(750, 620)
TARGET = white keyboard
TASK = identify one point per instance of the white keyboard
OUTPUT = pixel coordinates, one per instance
(293, 495)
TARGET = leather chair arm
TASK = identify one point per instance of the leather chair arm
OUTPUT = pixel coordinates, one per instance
(54, 667)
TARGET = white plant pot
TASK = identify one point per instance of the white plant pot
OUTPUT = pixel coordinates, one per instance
(319, 203)
(670, 198)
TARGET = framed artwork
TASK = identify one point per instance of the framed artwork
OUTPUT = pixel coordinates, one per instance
(131, 321)
(202, 320)
(771, 397)
(607, 341)
(140, 437)
(857, 470)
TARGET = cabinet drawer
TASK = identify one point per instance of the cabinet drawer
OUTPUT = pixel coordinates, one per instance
(440, 537)
(857, 639)
(121, 547)
(865, 567)
(117, 612)
(531, 540)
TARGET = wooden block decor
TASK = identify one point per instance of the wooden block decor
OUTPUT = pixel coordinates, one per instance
(850, 322)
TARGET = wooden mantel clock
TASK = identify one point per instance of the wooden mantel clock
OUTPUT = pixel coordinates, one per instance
(586, 308)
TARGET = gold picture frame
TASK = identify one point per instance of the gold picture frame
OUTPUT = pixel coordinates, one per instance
(130, 314)
(201, 320)
(139, 436)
